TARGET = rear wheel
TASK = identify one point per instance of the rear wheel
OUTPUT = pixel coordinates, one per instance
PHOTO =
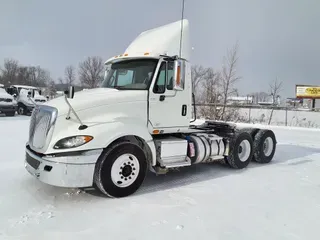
(264, 146)
(120, 170)
(251, 131)
(241, 150)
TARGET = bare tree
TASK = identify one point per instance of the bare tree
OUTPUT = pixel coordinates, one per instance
(198, 75)
(211, 93)
(259, 97)
(34, 76)
(91, 71)
(38, 76)
(211, 86)
(229, 76)
(52, 89)
(69, 76)
(275, 89)
(23, 75)
(9, 71)
(61, 80)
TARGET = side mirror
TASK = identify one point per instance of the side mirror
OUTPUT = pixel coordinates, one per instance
(70, 93)
(31, 94)
(40, 92)
(47, 98)
(179, 75)
(10, 90)
(14, 96)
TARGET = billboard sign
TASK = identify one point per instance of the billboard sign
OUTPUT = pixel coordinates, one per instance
(308, 91)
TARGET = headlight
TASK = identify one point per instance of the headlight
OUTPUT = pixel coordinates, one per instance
(72, 142)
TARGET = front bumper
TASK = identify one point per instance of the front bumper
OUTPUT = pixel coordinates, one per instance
(7, 108)
(69, 170)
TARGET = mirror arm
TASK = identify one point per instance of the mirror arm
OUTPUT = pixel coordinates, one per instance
(70, 93)
(71, 109)
(32, 100)
(68, 115)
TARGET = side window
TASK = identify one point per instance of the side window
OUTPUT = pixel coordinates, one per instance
(125, 78)
(159, 86)
(16, 91)
(170, 75)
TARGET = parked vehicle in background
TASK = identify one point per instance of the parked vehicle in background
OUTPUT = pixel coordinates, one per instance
(23, 95)
(8, 105)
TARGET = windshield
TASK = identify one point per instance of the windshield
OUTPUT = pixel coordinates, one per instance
(129, 74)
(26, 90)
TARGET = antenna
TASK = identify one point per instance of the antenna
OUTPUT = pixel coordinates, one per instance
(182, 15)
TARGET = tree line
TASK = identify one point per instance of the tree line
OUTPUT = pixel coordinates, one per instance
(88, 75)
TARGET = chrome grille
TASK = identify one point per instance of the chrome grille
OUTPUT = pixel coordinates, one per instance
(41, 126)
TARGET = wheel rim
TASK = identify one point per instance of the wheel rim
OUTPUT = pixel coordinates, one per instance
(125, 170)
(267, 146)
(244, 150)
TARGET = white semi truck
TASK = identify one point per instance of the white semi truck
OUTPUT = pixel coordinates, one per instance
(139, 119)
(27, 97)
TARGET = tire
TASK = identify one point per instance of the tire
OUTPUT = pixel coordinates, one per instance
(241, 150)
(10, 114)
(251, 131)
(120, 170)
(21, 110)
(264, 146)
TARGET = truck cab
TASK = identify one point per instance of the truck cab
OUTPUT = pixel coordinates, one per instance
(139, 119)
(27, 97)
(8, 105)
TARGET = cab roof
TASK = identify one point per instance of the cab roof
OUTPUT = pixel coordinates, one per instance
(24, 86)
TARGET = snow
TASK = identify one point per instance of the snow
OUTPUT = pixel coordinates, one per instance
(280, 117)
(280, 200)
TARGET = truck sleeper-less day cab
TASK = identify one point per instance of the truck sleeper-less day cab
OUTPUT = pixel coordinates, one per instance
(22, 94)
(140, 118)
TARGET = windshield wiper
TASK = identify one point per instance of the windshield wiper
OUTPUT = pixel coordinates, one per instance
(119, 87)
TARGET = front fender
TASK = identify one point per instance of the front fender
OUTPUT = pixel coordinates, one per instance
(119, 129)
(105, 133)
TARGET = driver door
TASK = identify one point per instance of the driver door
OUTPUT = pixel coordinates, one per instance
(167, 107)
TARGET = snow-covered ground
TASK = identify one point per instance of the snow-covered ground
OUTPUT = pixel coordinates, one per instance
(280, 200)
(280, 117)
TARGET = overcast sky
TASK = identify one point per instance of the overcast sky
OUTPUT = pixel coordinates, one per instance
(277, 38)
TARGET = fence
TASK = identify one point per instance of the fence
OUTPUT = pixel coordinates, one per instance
(281, 116)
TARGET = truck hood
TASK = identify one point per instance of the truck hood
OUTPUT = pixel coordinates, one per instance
(39, 97)
(96, 97)
(4, 94)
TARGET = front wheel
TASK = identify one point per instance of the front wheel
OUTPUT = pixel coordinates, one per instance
(21, 110)
(120, 170)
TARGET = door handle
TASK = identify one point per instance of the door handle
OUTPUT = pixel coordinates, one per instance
(162, 97)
